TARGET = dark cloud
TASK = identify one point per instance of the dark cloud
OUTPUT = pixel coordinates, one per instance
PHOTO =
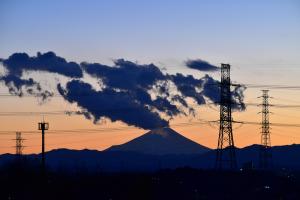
(237, 97)
(136, 94)
(201, 65)
(15, 83)
(49, 62)
(135, 80)
(15, 86)
(125, 74)
(17, 63)
(211, 89)
(187, 86)
(128, 79)
(117, 106)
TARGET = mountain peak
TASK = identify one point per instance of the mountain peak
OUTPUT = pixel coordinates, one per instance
(161, 141)
(164, 132)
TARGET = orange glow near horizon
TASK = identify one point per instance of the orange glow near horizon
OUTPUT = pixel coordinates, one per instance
(118, 133)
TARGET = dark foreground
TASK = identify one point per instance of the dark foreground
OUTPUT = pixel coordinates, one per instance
(185, 183)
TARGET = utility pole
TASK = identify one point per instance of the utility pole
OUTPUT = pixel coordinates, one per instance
(265, 154)
(43, 126)
(225, 157)
(19, 144)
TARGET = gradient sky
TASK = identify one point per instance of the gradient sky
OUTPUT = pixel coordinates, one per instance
(259, 38)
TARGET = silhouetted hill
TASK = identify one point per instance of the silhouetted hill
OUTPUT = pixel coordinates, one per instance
(93, 160)
(286, 156)
(162, 141)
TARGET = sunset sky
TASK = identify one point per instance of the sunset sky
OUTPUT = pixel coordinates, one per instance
(259, 38)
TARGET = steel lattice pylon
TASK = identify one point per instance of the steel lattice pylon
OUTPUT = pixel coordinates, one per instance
(19, 143)
(265, 154)
(226, 157)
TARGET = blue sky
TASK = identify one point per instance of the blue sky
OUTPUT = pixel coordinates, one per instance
(260, 38)
(242, 32)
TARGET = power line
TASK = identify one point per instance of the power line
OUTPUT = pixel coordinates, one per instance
(184, 124)
(71, 112)
(273, 124)
(248, 85)
(189, 123)
(20, 113)
(286, 87)
(286, 99)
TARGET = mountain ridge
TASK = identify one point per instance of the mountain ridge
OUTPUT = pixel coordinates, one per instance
(286, 156)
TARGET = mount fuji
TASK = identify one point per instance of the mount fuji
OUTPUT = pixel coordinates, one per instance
(161, 141)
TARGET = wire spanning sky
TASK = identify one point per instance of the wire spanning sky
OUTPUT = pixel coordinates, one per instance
(259, 38)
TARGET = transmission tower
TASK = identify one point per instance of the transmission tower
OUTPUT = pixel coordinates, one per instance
(43, 126)
(265, 155)
(19, 144)
(225, 151)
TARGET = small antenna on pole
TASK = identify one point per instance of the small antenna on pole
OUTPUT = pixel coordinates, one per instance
(43, 126)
